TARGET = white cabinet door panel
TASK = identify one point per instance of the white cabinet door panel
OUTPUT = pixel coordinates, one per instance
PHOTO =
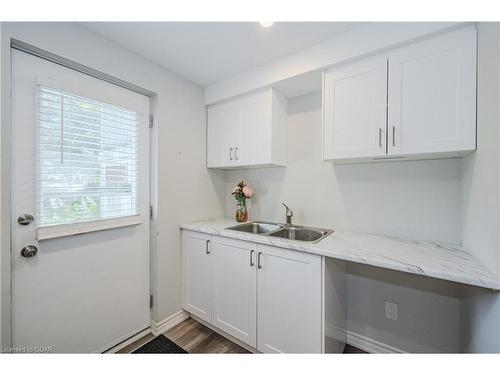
(355, 100)
(432, 91)
(254, 135)
(235, 289)
(223, 122)
(197, 274)
(288, 301)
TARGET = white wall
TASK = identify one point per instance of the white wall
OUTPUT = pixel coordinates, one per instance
(375, 37)
(416, 199)
(413, 199)
(187, 191)
(481, 175)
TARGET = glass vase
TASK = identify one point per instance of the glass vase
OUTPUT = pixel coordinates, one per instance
(241, 213)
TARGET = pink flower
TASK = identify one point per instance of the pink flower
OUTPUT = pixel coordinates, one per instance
(247, 191)
(236, 189)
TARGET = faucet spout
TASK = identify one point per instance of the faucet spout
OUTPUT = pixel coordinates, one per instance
(289, 214)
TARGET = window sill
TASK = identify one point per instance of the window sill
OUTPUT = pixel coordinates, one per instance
(55, 231)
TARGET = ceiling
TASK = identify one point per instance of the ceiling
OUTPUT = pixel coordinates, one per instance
(206, 52)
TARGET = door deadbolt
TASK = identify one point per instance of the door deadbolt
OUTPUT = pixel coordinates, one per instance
(25, 219)
(29, 251)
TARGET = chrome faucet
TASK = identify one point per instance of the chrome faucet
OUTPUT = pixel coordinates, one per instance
(289, 214)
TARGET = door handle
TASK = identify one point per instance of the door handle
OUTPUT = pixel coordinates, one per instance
(259, 262)
(230, 153)
(393, 136)
(29, 251)
(380, 137)
(251, 258)
(25, 219)
(207, 247)
(235, 154)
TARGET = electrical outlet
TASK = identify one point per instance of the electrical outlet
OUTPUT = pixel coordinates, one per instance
(391, 310)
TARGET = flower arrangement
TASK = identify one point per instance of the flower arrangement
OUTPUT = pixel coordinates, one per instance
(241, 193)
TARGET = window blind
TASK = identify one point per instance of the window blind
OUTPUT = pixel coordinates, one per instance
(87, 159)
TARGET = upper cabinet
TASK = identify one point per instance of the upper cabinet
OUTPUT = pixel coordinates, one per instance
(355, 109)
(415, 102)
(248, 131)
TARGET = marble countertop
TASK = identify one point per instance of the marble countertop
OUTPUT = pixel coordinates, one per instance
(442, 261)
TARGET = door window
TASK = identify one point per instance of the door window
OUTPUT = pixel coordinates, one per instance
(87, 159)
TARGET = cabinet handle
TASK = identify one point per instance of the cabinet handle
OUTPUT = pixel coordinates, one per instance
(207, 246)
(235, 154)
(259, 262)
(380, 137)
(251, 258)
(231, 153)
(393, 136)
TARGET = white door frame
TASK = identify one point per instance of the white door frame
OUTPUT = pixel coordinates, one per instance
(6, 164)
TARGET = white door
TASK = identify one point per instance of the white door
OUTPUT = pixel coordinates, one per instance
(288, 301)
(254, 131)
(235, 289)
(80, 168)
(223, 119)
(432, 95)
(355, 100)
(197, 274)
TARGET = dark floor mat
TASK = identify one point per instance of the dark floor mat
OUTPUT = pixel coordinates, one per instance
(159, 345)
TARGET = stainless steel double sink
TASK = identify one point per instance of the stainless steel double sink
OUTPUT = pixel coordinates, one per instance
(289, 232)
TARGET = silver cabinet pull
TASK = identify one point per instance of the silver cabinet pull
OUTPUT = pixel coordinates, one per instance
(259, 262)
(231, 153)
(380, 137)
(251, 258)
(393, 136)
(207, 247)
(235, 154)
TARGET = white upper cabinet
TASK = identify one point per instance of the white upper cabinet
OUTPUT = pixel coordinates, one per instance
(248, 131)
(413, 103)
(432, 96)
(355, 101)
(222, 133)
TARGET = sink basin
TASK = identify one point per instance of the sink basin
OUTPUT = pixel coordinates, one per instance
(294, 232)
(257, 227)
(302, 234)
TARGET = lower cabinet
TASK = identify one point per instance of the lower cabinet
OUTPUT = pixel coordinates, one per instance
(288, 301)
(197, 274)
(234, 289)
(267, 297)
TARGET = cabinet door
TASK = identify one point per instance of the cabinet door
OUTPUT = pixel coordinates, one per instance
(355, 101)
(222, 122)
(254, 133)
(197, 274)
(289, 301)
(432, 96)
(235, 289)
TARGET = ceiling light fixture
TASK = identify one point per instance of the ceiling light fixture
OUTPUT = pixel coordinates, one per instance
(266, 23)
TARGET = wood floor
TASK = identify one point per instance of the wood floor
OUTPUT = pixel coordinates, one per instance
(194, 337)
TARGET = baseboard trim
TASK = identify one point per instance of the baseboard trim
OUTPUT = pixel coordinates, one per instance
(370, 345)
(168, 323)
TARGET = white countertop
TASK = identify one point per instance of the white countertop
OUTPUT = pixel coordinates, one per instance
(442, 261)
